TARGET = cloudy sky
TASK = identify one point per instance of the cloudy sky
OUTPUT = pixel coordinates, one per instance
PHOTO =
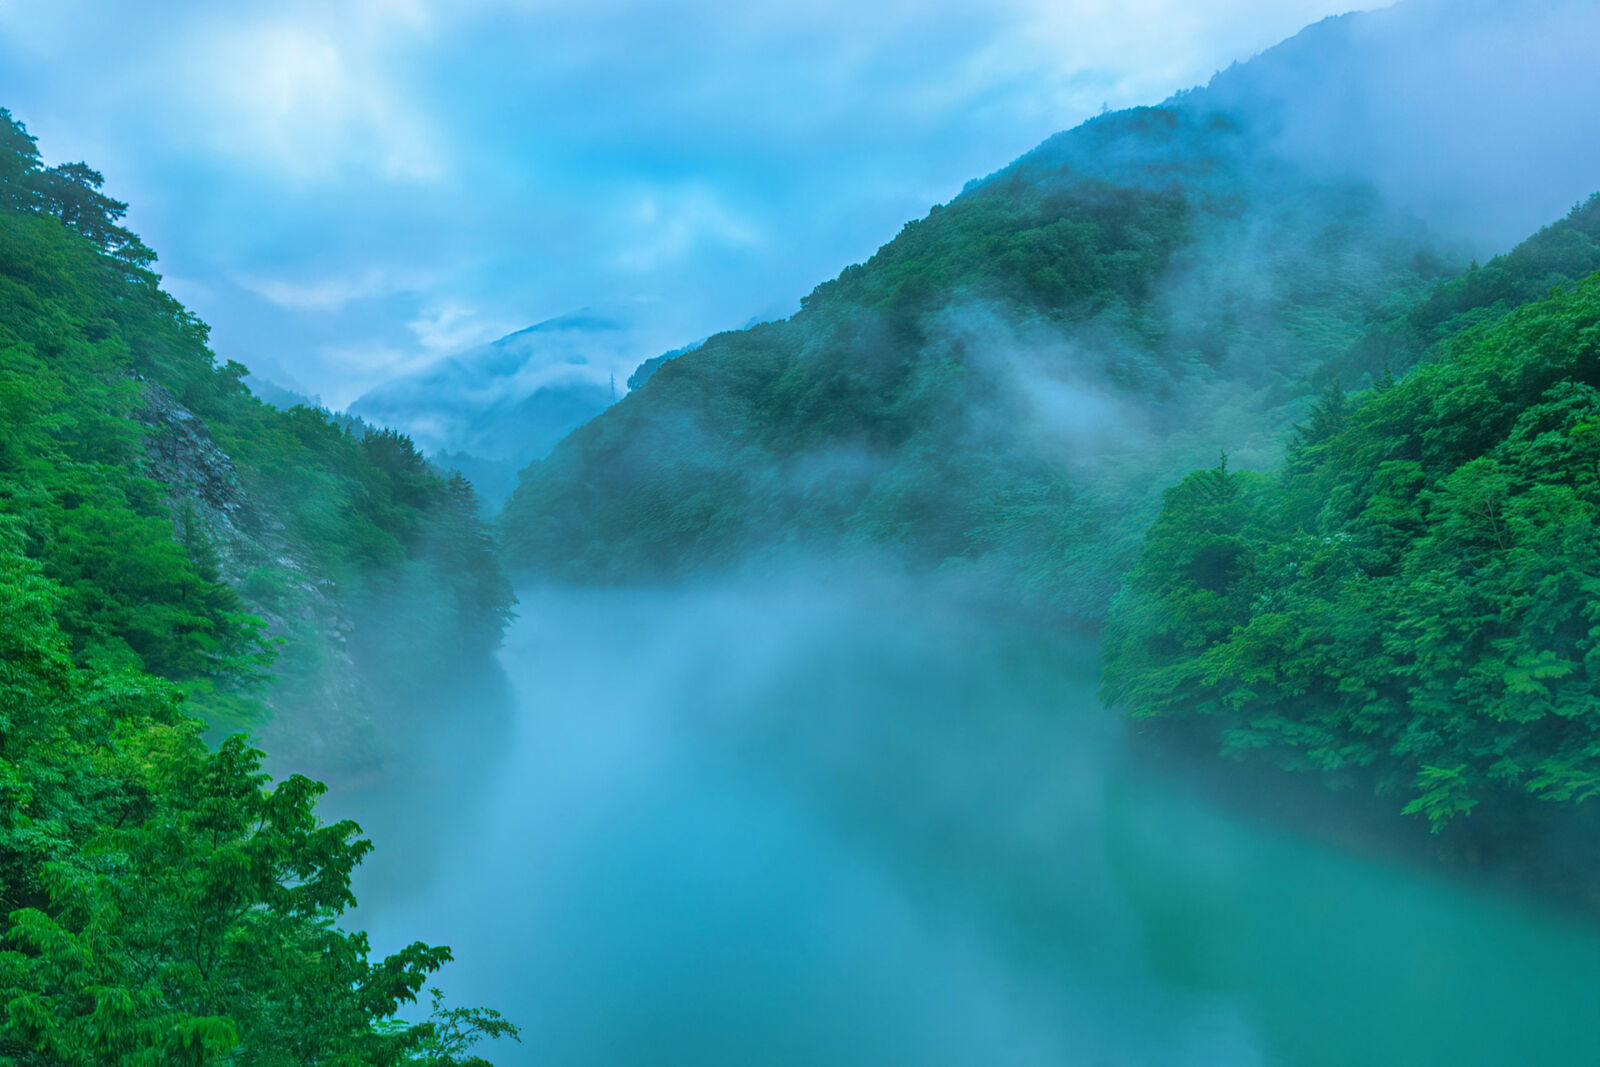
(349, 189)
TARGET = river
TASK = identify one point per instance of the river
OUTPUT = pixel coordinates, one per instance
(837, 826)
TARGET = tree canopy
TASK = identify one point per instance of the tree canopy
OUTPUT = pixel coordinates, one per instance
(1409, 602)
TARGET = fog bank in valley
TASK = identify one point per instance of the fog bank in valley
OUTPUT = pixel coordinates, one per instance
(839, 817)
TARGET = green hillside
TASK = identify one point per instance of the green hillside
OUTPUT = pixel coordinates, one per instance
(1407, 603)
(163, 904)
(1559, 254)
(118, 430)
(161, 901)
(998, 390)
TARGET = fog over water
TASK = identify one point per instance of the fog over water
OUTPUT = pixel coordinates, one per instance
(836, 823)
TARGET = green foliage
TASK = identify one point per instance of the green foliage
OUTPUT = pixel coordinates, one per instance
(906, 406)
(69, 193)
(67, 468)
(89, 345)
(163, 903)
(1411, 602)
(1557, 256)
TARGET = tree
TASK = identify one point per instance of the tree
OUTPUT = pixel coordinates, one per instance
(1414, 595)
(168, 904)
(71, 192)
(19, 161)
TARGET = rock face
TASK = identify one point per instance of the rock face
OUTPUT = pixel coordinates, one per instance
(321, 717)
(180, 454)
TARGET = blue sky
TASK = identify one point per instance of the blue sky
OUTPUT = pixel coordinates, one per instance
(349, 189)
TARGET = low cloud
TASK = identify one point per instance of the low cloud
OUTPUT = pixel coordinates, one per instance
(1052, 392)
(452, 326)
(330, 293)
(664, 226)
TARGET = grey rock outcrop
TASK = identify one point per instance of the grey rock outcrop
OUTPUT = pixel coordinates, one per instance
(321, 719)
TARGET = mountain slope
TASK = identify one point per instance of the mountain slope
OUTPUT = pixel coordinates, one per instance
(177, 512)
(981, 393)
(1409, 602)
(1556, 256)
(163, 901)
(1000, 390)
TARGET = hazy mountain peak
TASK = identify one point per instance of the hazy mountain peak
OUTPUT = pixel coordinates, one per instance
(491, 409)
(1465, 112)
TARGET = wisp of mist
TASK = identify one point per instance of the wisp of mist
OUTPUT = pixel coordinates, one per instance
(847, 820)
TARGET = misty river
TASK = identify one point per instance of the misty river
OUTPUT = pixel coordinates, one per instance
(827, 827)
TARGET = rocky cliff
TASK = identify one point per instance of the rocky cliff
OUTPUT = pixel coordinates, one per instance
(321, 711)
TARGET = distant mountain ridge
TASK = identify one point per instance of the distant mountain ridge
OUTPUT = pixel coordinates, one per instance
(471, 401)
(489, 411)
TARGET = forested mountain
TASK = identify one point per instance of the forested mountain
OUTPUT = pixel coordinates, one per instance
(293, 536)
(162, 902)
(1557, 256)
(1408, 602)
(991, 391)
(1001, 391)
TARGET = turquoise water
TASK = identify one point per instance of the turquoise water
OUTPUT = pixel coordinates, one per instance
(797, 828)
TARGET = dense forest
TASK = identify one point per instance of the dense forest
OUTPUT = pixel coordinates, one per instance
(164, 901)
(1158, 267)
(1407, 602)
(295, 529)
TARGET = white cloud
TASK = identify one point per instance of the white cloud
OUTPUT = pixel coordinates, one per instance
(666, 224)
(346, 370)
(312, 98)
(451, 326)
(351, 369)
(330, 293)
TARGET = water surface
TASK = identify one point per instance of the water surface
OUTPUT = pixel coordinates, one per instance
(806, 827)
